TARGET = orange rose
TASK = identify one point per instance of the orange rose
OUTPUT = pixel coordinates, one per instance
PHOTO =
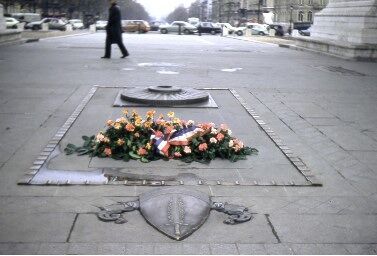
(110, 122)
(168, 129)
(130, 127)
(151, 113)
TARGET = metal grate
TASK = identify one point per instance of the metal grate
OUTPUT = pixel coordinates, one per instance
(339, 70)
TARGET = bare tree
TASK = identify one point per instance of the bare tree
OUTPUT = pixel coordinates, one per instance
(195, 9)
(132, 10)
(180, 13)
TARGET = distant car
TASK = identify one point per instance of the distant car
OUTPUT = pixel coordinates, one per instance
(155, 25)
(305, 32)
(230, 28)
(101, 24)
(135, 26)
(76, 23)
(209, 27)
(26, 17)
(256, 29)
(53, 23)
(11, 22)
(186, 28)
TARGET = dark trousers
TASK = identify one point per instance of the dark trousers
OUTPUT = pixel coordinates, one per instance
(108, 48)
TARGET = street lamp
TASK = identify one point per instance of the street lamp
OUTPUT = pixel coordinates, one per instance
(290, 21)
(259, 5)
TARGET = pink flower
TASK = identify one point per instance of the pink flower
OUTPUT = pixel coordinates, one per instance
(223, 127)
(203, 147)
(220, 136)
(177, 154)
(187, 150)
(141, 152)
(107, 151)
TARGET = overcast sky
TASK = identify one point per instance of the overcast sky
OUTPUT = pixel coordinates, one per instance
(161, 8)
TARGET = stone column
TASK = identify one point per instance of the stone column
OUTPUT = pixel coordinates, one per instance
(345, 28)
(2, 20)
(7, 36)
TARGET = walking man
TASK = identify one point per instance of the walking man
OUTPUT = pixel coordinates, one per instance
(114, 31)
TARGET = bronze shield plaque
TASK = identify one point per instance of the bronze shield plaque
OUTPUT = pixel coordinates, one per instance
(175, 211)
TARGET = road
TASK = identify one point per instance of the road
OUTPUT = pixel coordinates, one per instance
(322, 107)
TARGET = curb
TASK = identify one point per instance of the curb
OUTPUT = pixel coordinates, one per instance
(251, 40)
(57, 37)
(13, 42)
(297, 48)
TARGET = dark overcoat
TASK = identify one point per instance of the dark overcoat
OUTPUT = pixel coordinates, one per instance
(114, 25)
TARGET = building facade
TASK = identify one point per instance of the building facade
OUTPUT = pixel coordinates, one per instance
(239, 11)
(297, 11)
(265, 11)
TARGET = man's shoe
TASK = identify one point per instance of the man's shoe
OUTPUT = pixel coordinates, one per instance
(105, 57)
(124, 56)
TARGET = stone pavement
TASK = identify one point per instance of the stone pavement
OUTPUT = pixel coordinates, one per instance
(322, 107)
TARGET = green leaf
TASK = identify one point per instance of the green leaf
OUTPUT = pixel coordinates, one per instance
(144, 160)
(84, 152)
(133, 155)
(86, 138)
(71, 146)
(68, 151)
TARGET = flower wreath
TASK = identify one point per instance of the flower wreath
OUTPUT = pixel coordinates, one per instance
(148, 139)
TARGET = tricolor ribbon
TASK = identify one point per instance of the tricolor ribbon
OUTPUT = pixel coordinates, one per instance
(182, 137)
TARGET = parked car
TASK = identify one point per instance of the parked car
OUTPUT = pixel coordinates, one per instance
(53, 23)
(26, 17)
(76, 23)
(186, 27)
(155, 25)
(193, 21)
(305, 32)
(230, 28)
(256, 29)
(209, 27)
(135, 26)
(11, 22)
(101, 24)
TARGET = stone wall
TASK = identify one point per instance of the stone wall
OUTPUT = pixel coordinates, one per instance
(345, 28)
(2, 20)
(347, 21)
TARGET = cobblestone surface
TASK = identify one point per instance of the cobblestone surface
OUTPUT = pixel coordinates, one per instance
(328, 118)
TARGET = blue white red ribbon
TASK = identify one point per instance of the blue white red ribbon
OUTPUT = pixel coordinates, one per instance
(182, 137)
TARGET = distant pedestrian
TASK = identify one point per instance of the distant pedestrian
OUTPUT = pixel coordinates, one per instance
(114, 31)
